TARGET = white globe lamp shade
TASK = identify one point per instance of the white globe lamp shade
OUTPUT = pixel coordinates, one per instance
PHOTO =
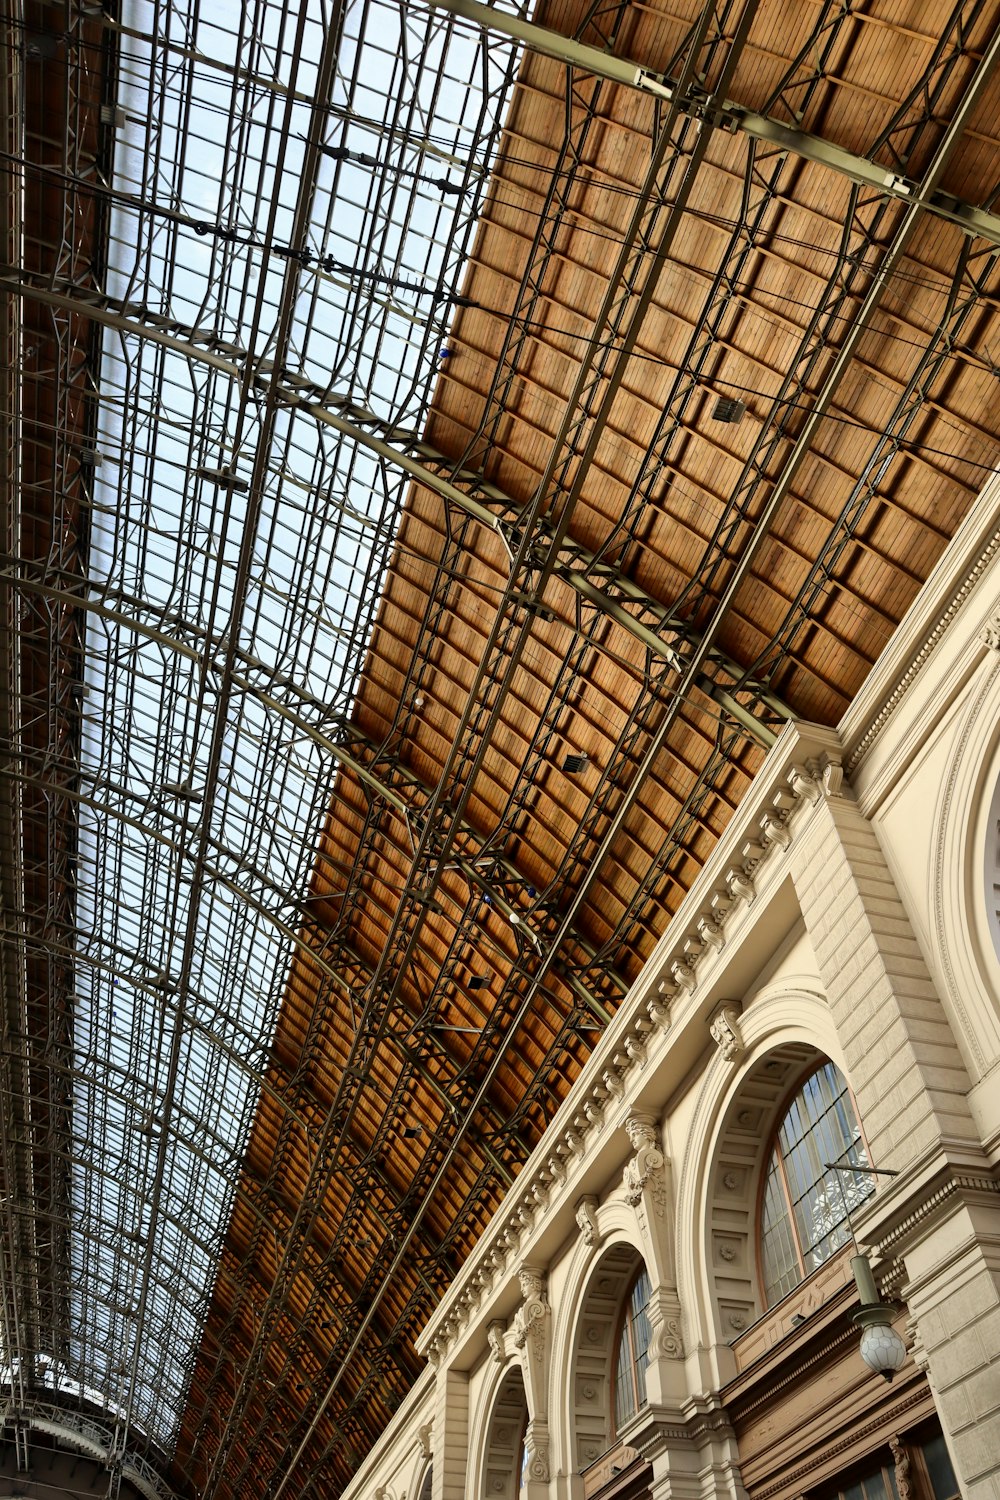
(882, 1349)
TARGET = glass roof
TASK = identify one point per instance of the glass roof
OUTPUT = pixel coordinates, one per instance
(288, 205)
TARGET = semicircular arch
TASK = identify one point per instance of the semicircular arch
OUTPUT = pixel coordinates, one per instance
(783, 1032)
(584, 1355)
(497, 1436)
(965, 879)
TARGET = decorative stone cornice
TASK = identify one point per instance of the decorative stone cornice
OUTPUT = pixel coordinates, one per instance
(802, 1472)
(965, 561)
(908, 1207)
(803, 766)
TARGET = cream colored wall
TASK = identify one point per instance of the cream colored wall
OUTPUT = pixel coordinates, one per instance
(837, 918)
(925, 775)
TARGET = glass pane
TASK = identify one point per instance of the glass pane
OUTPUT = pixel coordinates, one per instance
(939, 1469)
(779, 1257)
(633, 1352)
(624, 1395)
(806, 1204)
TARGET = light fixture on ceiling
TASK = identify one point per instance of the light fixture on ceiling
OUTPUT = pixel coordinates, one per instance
(411, 1131)
(728, 409)
(223, 479)
(478, 982)
(882, 1349)
(575, 763)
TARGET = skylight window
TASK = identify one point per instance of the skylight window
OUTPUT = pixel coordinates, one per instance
(236, 554)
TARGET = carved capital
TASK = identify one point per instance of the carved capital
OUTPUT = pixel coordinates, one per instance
(803, 784)
(536, 1451)
(635, 1050)
(586, 1217)
(529, 1325)
(740, 885)
(614, 1083)
(990, 633)
(775, 830)
(594, 1112)
(495, 1338)
(658, 1014)
(832, 777)
(644, 1171)
(725, 1029)
(711, 933)
(683, 973)
(666, 1339)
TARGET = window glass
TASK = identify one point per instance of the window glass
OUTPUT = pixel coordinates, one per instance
(633, 1351)
(939, 1470)
(874, 1484)
(805, 1205)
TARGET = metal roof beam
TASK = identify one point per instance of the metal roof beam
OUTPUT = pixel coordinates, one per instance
(416, 458)
(409, 777)
(729, 115)
(574, 564)
(755, 542)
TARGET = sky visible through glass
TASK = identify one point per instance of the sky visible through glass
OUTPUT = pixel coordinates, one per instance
(227, 614)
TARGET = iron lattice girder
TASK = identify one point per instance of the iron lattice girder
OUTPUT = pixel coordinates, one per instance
(573, 563)
(666, 636)
(964, 299)
(346, 745)
(582, 102)
(762, 173)
(364, 751)
(728, 115)
(783, 481)
(585, 414)
(800, 447)
(44, 483)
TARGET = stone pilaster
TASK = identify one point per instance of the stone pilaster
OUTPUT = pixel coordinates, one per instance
(450, 1435)
(691, 1455)
(647, 1187)
(941, 1216)
(905, 1069)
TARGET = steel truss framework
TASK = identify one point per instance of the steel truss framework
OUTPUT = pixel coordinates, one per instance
(176, 753)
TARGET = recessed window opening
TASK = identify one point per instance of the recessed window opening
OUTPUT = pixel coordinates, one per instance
(805, 1208)
(633, 1351)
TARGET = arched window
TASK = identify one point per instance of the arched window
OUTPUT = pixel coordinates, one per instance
(805, 1208)
(633, 1351)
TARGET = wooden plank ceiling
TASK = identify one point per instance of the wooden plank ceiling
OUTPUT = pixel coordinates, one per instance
(426, 1015)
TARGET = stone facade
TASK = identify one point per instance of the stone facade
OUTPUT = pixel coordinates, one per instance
(845, 915)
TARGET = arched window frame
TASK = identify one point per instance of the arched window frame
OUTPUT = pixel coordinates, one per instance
(631, 1336)
(851, 1191)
